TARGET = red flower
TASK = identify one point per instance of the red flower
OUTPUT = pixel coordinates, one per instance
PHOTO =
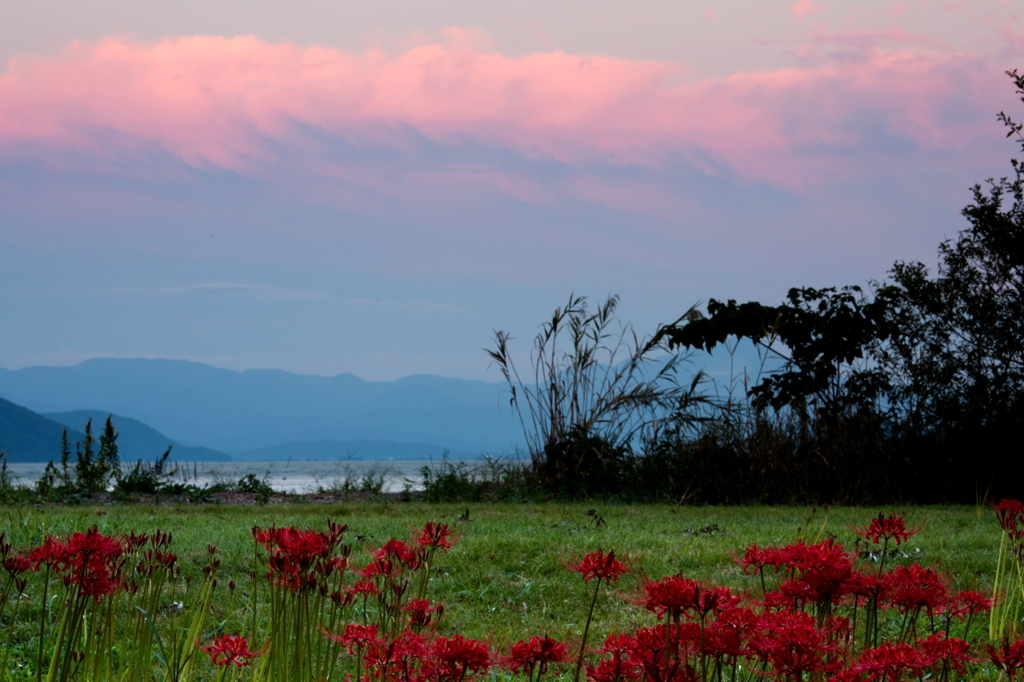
(364, 587)
(16, 565)
(756, 558)
(298, 556)
(420, 611)
(661, 651)
(618, 669)
(230, 649)
(948, 651)
(914, 586)
(888, 527)
(676, 595)
(355, 636)
(727, 635)
(538, 652)
(890, 661)
(1008, 513)
(396, 550)
(88, 560)
(49, 553)
(457, 657)
(601, 566)
(435, 536)
(381, 567)
(793, 645)
(621, 667)
(968, 603)
(1009, 657)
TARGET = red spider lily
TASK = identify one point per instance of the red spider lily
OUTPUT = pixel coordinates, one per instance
(1008, 513)
(672, 596)
(821, 573)
(802, 557)
(604, 567)
(967, 603)
(263, 536)
(298, 556)
(403, 652)
(791, 643)
(830, 581)
(727, 635)
(616, 669)
(93, 543)
(228, 649)
(823, 584)
(620, 667)
(662, 651)
(435, 536)
(336, 564)
(48, 553)
(949, 652)
(16, 565)
(398, 551)
(887, 527)
(88, 560)
(420, 612)
(537, 653)
(455, 659)
(1009, 657)
(366, 588)
(302, 548)
(914, 586)
(355, 636)
(756, 558)
(677, 595)
(381, 567)
(890, 662)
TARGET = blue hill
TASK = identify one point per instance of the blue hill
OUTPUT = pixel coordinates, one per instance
(196, 404)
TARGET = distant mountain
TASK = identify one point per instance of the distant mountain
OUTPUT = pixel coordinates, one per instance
(235, 412)
(136, 440)
(355, 450)
(28, 437)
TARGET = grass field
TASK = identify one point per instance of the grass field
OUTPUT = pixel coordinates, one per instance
(506, 577)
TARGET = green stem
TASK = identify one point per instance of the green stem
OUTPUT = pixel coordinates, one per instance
(42, 624)
(586, 632)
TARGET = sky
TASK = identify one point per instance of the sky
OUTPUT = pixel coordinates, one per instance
(375, 188)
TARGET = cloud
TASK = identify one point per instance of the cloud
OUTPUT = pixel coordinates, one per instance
(274, 293)
(460, 115)
(232, 288)
(803, 8)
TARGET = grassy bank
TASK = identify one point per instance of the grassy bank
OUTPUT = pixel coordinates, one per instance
(506, 577)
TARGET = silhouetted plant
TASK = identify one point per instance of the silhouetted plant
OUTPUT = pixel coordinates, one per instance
(910, 393)
(595, 386)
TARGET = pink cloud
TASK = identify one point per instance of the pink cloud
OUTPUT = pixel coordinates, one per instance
(803, 8)
(236, 103)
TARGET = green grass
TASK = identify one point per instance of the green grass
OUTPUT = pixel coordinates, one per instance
(506, 578)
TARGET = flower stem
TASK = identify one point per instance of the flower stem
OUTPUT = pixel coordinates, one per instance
(586, 631)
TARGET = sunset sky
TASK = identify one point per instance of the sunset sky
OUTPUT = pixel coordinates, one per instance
(324, 187)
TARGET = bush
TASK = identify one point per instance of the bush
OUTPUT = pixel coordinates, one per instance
(493, 480)
(147, 479)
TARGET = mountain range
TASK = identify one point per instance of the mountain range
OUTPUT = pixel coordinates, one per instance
(263, 414)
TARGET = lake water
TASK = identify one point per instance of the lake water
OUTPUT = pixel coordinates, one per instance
(296, 477)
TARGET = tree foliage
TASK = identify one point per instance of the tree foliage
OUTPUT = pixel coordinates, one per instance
(922, 380)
